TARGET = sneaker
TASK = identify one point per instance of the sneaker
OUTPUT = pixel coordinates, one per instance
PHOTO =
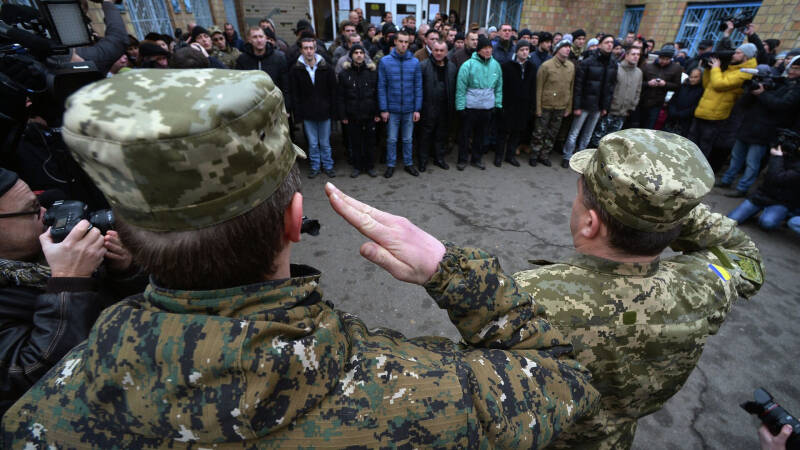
(330, 173)
(412, 171)
(313, 173)
(372, 173)
(355, 173)
(565, 163)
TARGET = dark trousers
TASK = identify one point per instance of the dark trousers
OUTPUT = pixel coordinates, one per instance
(475, 124)
(362, 138)
(433, 138)
(649, 117)
(507, 141)
(704, 132)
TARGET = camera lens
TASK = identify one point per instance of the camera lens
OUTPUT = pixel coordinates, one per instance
(102, 219)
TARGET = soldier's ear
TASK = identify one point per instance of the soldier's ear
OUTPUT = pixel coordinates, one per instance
(293, 218)
(591, 226)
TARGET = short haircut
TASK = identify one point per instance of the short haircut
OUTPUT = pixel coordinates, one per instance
(188, 58)
(437, 43)
(432, 31)
(402, 32)
(625, 238)
(242, 249)
(353, 36)
(308, 39)
(252, 29)
(505, 25)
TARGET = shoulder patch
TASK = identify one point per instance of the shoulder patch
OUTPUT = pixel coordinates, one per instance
(751, 270)
(720, 271)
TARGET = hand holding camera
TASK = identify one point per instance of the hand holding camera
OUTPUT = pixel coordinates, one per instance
(78, 255)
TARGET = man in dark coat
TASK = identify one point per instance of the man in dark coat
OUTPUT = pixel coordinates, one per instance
(542, 50)
(439, 92)
(595, 79)
(764, 112)
(46, 309)
(258, 54)
(658, 77)
(312, 84)
(519, 97)
(358, 108)
(460, 56)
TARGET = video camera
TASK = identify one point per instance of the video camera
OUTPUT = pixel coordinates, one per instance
(773, 416)
(788, 140)
(765, 79)
(724, 57)
(63, 215)
(739, 21)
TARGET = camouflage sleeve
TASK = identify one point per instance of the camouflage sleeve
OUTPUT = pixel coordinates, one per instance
(487, 306)
(717, 235)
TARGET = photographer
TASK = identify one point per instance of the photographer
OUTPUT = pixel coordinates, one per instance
(105, 52)
(776, 195)
(45, 310)
(764, 112)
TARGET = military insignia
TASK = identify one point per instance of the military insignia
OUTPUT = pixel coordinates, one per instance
(720, 271)
(751, 270)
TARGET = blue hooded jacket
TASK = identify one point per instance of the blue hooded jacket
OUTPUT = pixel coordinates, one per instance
(399, 83)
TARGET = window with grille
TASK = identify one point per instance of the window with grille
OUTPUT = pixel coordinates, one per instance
(505, 11)
(631, 19)
(149, 16)
(202, 12)
(703, 21)
(230, 14)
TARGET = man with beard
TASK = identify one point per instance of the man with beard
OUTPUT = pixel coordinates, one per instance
(542, 51)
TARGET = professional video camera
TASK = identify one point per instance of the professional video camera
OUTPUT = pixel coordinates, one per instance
(764, 78)
(724, 57)
(63, 215)
(740, 20)
(773, 416)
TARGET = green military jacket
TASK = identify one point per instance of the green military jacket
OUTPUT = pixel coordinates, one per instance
(227, 56)
(641, 328)
(273, 365)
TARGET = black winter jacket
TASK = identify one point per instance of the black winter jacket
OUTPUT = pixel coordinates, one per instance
(683, 103)
(595, 79)
(428, 78)
(295, 52)
(273, 62)
(519, 94)
(313, 101)
(39, 326)
(767, 112)
(781, 184)
(357, 93)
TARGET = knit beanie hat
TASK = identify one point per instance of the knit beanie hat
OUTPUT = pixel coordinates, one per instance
(563, 43)
(578, 33)
(355, 47)
(566, 37)
(592, 42)
(483, 41)
(197, 31)
(748, 49)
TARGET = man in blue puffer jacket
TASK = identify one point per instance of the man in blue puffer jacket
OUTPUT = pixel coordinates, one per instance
(400, 100)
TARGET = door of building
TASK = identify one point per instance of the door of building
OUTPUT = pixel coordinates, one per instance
(374, 9)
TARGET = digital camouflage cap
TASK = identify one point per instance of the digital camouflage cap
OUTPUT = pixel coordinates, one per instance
(176, 150)
(648, 180)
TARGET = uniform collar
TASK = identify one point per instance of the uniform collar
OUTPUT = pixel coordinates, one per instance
(602, 265)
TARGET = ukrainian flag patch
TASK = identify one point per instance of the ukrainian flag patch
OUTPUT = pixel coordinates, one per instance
(720, 271)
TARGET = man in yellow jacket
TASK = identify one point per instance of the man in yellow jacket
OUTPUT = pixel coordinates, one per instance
(722, 88)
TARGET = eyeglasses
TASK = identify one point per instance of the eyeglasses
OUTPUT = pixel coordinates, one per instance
(218, 39)
(21, 213)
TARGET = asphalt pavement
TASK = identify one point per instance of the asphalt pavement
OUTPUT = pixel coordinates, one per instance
(522, 213)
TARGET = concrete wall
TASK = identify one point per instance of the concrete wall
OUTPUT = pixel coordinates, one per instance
(286, 17)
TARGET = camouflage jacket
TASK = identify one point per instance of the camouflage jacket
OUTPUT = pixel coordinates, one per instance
(640, 328)
(227, 56)
(273, 365)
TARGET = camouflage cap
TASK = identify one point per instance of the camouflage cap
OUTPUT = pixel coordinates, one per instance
(646, 179)
(177, 150)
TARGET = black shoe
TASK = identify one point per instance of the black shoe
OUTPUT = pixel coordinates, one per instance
(498, 162)
(461, 165)
(411, 171)
(355, 173)
(546, 162)
(565, 163)
(513, 161)
(441, 164)
(736, 194)
(372, 173)
(533, 162)
(330, 173)
(313, 174)
(389, 172)
(720, 184)
(423, 167)
(478, 164)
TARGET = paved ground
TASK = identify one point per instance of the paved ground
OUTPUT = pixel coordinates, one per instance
(523, 213)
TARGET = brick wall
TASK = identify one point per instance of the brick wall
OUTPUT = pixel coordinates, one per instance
(778, 19)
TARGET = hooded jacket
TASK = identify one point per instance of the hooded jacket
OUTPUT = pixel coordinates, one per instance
(479, 84)
(399, 83)
(273, 62)
(722, 89)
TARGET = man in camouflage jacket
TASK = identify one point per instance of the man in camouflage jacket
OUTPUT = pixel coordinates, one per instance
(240, 350)
(638, 322)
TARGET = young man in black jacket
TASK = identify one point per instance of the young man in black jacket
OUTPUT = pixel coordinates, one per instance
(358, 108)
(438, 108)
(46, 309)
(259, 54)
(312, 86)
(519, 103)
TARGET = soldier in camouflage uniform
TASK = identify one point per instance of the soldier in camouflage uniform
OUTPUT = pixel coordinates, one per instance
(264, 362)
(638, 322)
(222, 50)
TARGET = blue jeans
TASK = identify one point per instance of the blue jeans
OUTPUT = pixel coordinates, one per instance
(771, 218)
(794, 223)
(749, 155)
(318, 133)
(580, 132)
(399, 122)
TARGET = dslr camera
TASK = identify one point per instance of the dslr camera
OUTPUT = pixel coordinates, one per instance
(739, 21)
(773, 416)
(788, 140)
(765, 79)
(65, 214)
